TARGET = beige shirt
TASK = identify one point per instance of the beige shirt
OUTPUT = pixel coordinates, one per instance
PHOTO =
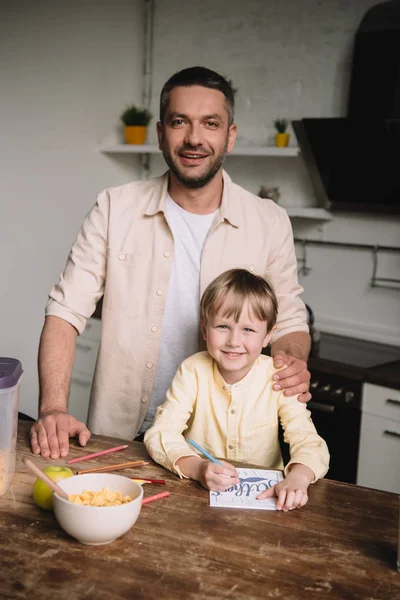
(124, 250)
(237, 423)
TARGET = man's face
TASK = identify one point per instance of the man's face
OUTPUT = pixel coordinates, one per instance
(195, 135)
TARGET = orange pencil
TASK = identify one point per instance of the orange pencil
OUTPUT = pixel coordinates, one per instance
(118, 467)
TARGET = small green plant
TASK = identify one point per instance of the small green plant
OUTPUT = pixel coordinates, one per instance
(133, 115)
(281, 125)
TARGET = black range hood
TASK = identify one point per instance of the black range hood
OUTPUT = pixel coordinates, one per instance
(354, 165)
(354, 162)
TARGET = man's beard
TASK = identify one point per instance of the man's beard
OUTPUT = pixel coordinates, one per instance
(195, 181)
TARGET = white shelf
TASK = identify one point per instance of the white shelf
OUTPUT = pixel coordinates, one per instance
(294, 212)
(238, 151)
(300, 212)
(265, 151)
(130, 149)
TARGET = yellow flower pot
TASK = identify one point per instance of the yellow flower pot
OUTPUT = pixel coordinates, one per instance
(282, 140)
(135, 134)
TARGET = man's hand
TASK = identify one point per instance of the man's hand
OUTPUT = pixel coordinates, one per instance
(292, 491)
(293, 378)
(51, 432)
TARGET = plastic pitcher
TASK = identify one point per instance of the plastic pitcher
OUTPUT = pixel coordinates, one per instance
(10, 378)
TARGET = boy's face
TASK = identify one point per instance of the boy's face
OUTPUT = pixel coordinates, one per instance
(235, 346)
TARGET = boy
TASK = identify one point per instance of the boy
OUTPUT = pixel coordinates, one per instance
(224, 399)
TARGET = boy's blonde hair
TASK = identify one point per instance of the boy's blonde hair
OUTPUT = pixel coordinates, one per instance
(232, 289)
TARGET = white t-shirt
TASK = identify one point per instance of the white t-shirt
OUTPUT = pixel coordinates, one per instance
(180, 335)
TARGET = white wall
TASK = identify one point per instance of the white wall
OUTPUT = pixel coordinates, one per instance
(67, 71)
(290, 58)
(69, 68)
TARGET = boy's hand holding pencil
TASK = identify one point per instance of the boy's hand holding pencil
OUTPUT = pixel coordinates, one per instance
(217, 477)
(213, 474)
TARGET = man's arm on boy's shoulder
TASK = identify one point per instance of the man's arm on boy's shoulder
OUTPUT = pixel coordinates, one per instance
(290, 341)
(306, 446)
(292, 350)
(164, 440)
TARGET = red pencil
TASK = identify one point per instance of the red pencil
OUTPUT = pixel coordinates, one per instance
(95, 454)
(157, 481)
(155, 497)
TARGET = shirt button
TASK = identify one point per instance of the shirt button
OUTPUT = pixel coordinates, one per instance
(251, 268)
(149, 365)
(230, 447)
(233, 411)
(122, 256)
(167, 254)
(144, 400)
(154, 328)
(159, 292)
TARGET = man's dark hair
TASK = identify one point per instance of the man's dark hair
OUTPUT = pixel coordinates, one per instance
(203, 77)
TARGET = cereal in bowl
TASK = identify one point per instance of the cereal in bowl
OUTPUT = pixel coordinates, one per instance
(103, 498)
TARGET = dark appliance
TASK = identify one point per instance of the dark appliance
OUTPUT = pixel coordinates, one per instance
(353, 164)
(337, 374)
(353, 161)
(314, 333)
(336, 412)
(338, 366)
(375, 79)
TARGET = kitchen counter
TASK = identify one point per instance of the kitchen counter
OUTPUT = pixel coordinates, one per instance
(387, 375)
(359, 360)
(331, 367)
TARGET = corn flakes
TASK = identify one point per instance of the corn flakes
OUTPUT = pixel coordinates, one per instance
(103, 498)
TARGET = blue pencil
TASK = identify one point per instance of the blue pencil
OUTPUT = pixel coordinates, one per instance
(200, 449)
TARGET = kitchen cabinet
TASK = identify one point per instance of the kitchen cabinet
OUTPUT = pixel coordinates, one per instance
(87, 347)
(379, 453)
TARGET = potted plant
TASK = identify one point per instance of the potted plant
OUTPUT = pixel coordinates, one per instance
(136, 121)
(281, 137)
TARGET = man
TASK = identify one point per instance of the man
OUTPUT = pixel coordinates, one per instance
(150, 249)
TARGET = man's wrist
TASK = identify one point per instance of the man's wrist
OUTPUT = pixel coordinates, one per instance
(296, 344)
(47, 408)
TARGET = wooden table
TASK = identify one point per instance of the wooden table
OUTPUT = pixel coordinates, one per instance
(342, 545)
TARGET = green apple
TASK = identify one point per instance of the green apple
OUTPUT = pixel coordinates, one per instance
(42, 493)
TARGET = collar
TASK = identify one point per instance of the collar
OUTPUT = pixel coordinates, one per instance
(228, 210)
(227, 387)
(158, 196)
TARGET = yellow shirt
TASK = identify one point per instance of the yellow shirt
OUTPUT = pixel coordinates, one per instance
(124, 252)
(235, 423)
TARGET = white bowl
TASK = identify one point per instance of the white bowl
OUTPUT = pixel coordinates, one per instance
(97, 525)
